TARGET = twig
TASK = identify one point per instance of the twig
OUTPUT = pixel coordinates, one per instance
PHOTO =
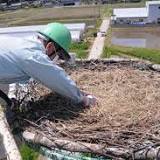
(32, 123)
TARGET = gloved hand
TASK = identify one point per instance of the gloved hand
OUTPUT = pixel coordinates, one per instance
(89, 100)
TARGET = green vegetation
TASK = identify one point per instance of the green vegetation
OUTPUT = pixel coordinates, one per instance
(81, 49)
(28, 153)
(143, 53)
(109, 50)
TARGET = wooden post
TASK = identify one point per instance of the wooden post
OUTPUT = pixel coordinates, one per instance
(76, 146)
(9, 144)
(116, 152)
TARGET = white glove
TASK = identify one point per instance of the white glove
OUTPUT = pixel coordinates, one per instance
(89, 100)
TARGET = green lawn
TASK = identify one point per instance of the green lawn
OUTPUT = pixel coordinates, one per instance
(81, 49)
(152, 55)
(28, 153)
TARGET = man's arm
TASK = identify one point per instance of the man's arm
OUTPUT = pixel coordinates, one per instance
(40, 67)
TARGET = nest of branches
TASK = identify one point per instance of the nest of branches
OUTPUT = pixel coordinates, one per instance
(127, 114)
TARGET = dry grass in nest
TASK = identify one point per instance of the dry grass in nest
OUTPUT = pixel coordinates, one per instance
(127, 114)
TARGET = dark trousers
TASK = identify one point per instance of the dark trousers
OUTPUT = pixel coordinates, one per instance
(5, 97)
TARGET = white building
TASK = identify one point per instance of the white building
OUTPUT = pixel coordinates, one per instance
(146, 15)
(34, 28)
(77, 31)
(153, 11)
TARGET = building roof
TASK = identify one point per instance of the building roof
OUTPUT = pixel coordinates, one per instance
(76, 35)
(130, 13)
(35, 28)
(152, 2)
(76, 30)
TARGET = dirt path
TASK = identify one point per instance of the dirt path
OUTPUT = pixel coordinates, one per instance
(98, 44)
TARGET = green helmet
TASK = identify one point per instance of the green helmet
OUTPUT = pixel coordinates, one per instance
(59, 34)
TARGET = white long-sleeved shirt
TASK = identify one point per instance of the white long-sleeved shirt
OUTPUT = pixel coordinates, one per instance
(21, 59)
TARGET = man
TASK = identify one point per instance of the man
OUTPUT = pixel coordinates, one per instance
(21, 59)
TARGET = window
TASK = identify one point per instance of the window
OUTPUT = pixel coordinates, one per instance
(140, 20)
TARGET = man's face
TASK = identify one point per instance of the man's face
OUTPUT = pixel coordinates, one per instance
(50, 48)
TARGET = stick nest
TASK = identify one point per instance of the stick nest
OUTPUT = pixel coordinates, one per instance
(127, 113)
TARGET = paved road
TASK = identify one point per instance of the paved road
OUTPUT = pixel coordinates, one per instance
(98, 44)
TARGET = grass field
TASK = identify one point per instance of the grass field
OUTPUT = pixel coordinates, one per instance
(152, 55)
(44, 15)
(81, 49)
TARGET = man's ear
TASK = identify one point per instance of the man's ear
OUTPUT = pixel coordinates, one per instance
(50, 48)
